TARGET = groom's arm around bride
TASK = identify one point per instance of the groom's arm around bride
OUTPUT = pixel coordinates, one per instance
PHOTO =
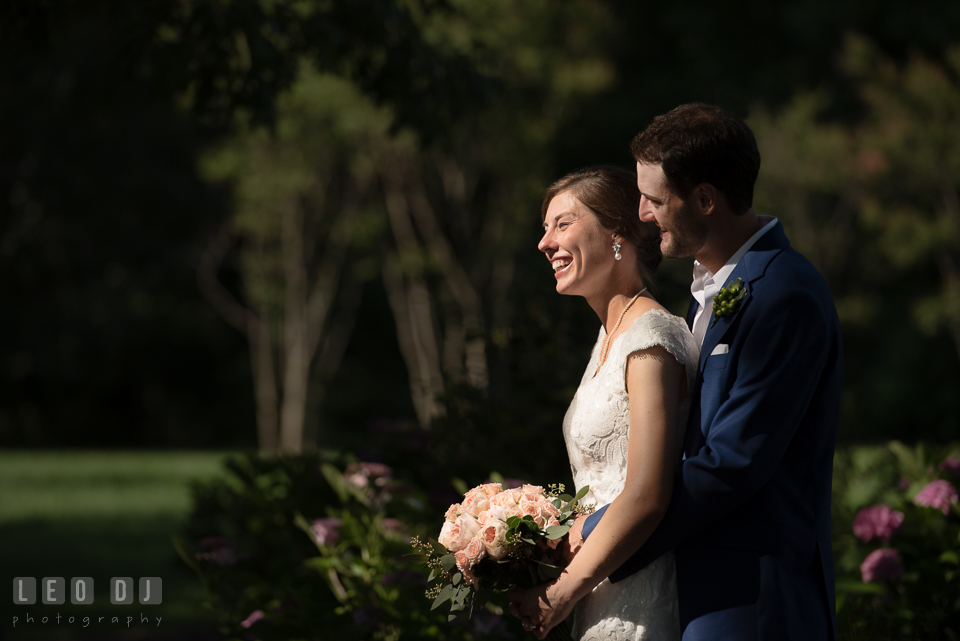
(749, 521)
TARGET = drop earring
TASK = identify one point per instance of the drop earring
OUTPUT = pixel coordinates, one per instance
(616, 249)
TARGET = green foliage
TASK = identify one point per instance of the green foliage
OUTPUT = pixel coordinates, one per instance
(316, 552)
(875, 205)
(923, 603)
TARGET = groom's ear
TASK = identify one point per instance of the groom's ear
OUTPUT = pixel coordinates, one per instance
(705, 198)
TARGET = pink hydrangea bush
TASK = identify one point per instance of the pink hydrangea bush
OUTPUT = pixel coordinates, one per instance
(877, 521)
(881, 565)
(939, 494)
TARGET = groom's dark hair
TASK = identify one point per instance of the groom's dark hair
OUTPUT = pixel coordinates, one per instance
(698, 143)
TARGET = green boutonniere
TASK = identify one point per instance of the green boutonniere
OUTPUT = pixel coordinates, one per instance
(727, 300)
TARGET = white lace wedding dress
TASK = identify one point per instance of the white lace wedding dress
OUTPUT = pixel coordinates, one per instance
(596, 428)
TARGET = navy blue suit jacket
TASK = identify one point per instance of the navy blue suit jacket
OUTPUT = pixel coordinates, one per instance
(749, 521)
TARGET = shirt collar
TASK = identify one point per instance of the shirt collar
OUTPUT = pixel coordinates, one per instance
(702, 273)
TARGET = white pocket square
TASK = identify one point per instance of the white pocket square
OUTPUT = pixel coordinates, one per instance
(722, 348)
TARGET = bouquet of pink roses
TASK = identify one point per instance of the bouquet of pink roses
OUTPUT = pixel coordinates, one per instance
(497, 540)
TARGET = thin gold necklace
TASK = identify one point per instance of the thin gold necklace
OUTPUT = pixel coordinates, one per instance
(608, 337)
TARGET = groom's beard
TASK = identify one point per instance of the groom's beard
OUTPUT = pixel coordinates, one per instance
(687, 235)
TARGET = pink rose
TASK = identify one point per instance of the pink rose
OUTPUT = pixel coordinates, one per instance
(452, 512)
(550, 509)
(531, 492)
(529, 508)
(881, 565)
(469, 577)
(326, 531)
(255, 616)
(506, 500)
(478, 499)
(877, 521)
(491, 535)
(470, 555)
(495, 513)
(951, 466)
(937, 494)
(456, 535)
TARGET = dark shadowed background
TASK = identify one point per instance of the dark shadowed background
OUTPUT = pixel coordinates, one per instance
(284, 226)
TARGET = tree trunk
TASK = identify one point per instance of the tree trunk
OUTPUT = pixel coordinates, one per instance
(296, 359)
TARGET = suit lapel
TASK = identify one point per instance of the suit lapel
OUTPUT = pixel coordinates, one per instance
(750, 268)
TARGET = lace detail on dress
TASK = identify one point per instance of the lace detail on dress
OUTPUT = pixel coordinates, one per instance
(596, 429)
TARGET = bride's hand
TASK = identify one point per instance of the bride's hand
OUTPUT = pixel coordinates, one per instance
(542, 608)
(571, 543)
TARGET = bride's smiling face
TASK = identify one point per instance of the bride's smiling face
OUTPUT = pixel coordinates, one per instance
(580, 252)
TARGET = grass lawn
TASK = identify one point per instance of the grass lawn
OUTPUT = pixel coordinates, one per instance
(101, 515)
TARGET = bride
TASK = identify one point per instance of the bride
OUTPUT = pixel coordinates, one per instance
(623, 429)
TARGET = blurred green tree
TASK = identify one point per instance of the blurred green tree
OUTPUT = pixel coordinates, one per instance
(302, 195)
(875, 205)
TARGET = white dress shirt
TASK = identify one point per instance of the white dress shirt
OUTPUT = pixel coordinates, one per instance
(706, 284)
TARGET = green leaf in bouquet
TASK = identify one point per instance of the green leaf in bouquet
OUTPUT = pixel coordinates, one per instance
(566, 498)
(438, 547)
(557, 531)
(445, 594)
(433, 575)
(448, 562)
(513, 522)
(455, 580)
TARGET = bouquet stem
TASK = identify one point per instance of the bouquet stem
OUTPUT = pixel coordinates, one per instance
(561, 632)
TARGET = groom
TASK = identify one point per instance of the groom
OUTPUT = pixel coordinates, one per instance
(749, 521)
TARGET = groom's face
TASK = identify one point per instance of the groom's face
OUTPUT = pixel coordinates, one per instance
(682, 231)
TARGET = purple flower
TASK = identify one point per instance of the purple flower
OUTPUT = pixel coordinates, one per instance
(951, 466)
(255, 616)
(326, 531)
(881, 565)
(877, 521)
(937, 494)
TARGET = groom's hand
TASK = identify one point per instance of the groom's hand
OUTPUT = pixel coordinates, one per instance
(570, 545)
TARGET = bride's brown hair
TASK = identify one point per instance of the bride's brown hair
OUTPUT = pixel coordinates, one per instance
(611, 194)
